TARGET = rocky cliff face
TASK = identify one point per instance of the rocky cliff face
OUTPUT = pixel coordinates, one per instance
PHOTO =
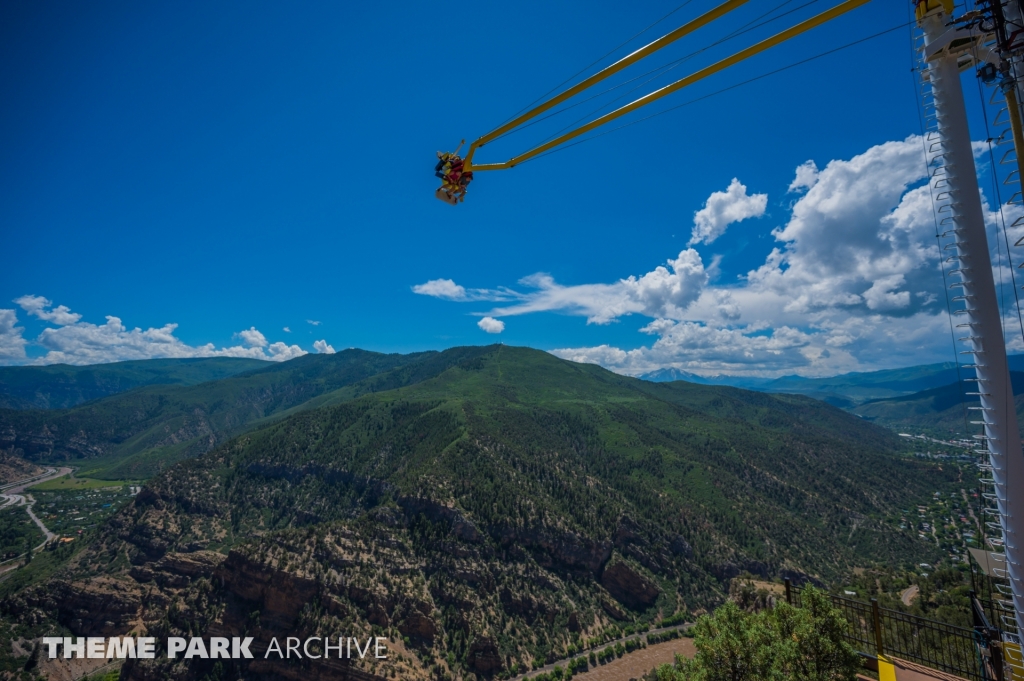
(447, 595)
(13, 468)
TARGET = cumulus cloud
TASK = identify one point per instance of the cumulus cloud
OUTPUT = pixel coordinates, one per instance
(322, 347)
(72, 341)
(313, 322)
(826, 349)
(441, 288)
(286, 330)
(853, 281)
(253, 338)
(491, 325)
(857, 240)
(806, 177)
(724, 208)
(12, 342)
(37, 306)
(662, 292)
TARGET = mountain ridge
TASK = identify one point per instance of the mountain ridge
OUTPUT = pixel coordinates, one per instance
(61, 386)
(491, 508)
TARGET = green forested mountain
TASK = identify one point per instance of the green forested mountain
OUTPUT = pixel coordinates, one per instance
(940, 411)
(61, 386)
(135, 433)
(489, 507)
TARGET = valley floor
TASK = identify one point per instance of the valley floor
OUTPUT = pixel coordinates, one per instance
(630, 665)
(634, 665)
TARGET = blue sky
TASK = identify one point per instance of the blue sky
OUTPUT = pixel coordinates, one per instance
(246, 167)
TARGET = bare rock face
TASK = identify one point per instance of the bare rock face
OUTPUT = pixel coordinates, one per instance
(553, 548)
(483, 656)
(800, 578)
(178, 570)
(680, 547)
(460, 525)
(418, 625)
(614, 611)
(729, 569)
(281, 594)
(628, 586)
(97, 607)
(628, 532)
(13, 468)
(195, 564)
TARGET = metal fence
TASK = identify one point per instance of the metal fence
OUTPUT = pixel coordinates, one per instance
(879, 631)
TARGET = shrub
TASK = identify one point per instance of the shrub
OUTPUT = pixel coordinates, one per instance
(785, 643)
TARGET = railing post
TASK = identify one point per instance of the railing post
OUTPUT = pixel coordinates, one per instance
(876, 620)
(789, 592)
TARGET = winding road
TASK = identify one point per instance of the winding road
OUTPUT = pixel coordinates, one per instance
(12, 494)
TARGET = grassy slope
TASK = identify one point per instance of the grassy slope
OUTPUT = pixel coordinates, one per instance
(61, 386)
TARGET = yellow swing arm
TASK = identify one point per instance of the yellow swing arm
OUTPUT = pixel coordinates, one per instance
(686, 29)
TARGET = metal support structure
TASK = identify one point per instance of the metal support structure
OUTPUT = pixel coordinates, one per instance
(876, 624)
(981, 312)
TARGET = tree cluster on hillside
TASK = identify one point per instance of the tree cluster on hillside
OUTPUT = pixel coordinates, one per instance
(783, 643)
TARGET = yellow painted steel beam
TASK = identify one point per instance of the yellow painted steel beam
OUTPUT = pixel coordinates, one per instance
(1013, 109)
(886, 669)
(626, 61)
(766, 44)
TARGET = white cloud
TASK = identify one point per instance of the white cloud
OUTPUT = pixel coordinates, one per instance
(662, 292)
(853, 283)
(820, 350)
(286, 330)
(12, 343)
(441, 288)
(253, 338)
(446, 289)
(36, 306)
(658, 293)
(282, 352)
(322, 347)
(313, 322)
(73, 341)
(856, 241)
(491, 325)
(806, 177)
(724, 208)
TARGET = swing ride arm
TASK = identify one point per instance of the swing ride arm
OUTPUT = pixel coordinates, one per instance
(704, 19)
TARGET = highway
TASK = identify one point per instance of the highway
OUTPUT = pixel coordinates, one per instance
(12, 494)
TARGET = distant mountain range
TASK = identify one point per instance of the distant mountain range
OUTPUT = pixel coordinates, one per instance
(939, 411)
(847, 390)
(61, 386)
(132, 419)
(135, 433)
